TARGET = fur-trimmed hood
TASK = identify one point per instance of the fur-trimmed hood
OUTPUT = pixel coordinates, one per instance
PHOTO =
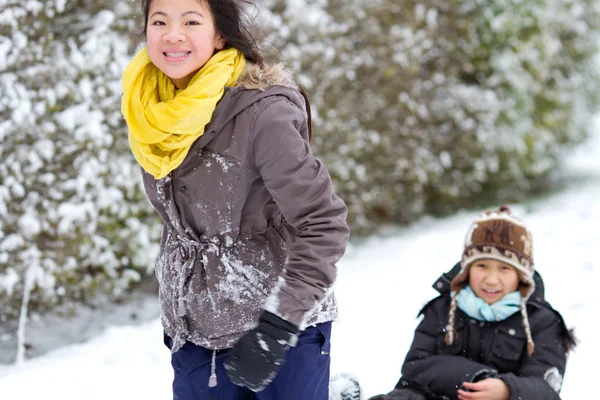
(261, 77)
(255, 84)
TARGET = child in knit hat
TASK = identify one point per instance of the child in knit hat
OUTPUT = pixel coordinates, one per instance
(490, 334)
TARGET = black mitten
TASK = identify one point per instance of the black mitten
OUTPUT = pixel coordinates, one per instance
(484, 374)
(254, 361)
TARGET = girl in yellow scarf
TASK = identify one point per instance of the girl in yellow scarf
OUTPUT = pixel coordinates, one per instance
(173, 85)
(227, 337)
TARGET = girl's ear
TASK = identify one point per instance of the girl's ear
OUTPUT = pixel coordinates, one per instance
(221, 42)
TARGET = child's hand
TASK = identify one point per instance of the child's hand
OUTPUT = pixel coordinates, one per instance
(487, 389)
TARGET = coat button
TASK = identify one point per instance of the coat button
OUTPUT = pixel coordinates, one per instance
(511, 332)
(439, 285)
(183, 188)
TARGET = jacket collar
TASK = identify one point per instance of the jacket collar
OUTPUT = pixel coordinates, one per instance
(254, 84)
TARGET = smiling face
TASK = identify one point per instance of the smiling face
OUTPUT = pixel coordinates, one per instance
(181, 37)
(491, 280)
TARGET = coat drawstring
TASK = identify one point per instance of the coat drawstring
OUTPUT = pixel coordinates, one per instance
(212, 381)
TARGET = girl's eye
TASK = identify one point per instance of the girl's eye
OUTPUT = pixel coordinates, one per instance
(158, 23)
(192, 23)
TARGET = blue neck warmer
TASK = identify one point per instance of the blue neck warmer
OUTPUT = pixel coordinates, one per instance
(476, 308)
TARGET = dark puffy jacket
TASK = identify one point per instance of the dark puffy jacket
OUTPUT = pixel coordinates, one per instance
(484, 349)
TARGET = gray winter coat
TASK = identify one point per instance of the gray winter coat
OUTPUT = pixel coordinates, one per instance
(251, 222)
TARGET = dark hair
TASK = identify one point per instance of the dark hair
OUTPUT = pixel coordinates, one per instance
(232, 22)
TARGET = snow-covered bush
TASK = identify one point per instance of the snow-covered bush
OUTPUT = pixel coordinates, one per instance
(420, 107)
(72, 213)
(426, 106)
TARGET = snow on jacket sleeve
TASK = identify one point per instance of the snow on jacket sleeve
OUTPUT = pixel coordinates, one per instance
(301, 187)
(539, 377)
(442, 374)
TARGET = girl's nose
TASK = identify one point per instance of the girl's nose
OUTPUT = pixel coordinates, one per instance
(173, 36)
(492, 278)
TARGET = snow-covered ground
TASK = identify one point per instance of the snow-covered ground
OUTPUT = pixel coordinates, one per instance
(382, 284)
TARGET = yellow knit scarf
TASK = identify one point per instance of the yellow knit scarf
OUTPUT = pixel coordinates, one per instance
(164, 122)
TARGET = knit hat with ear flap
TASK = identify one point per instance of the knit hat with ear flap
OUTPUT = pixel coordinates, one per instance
(500, 236)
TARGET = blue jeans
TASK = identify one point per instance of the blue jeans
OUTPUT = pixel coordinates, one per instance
(303, 376)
